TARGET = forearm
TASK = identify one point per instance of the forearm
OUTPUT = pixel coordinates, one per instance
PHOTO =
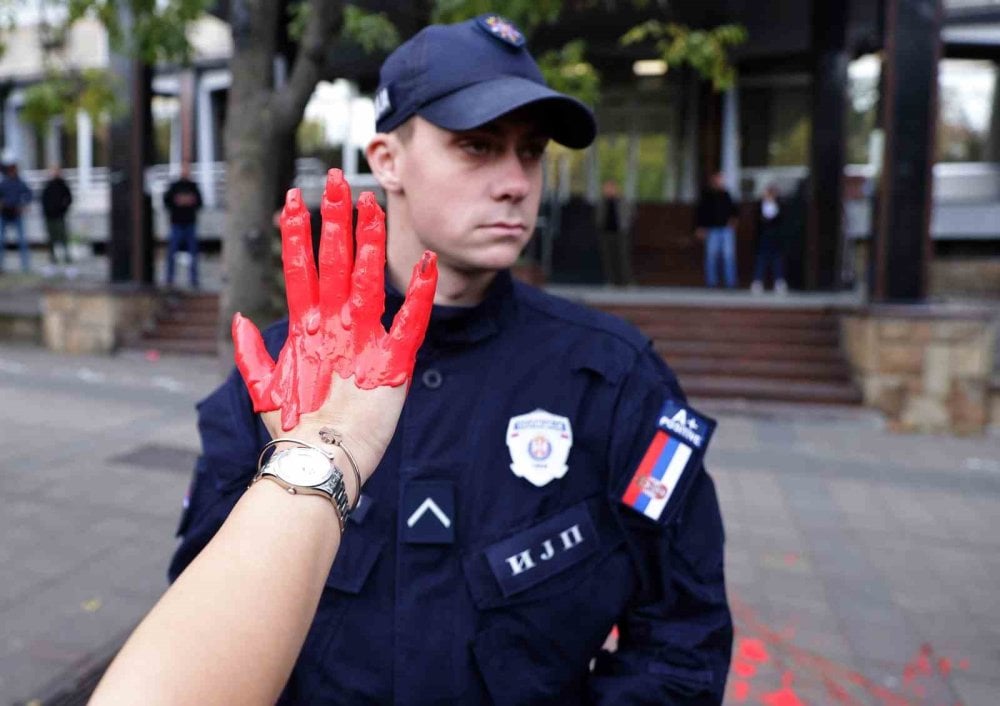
(231, 627)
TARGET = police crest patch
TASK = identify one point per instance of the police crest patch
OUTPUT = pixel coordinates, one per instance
(539, 444)
(501, 28)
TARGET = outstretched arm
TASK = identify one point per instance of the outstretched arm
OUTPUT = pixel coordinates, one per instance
(230, 628)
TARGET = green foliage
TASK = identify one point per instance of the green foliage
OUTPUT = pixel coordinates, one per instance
(159, 27)
(298, 13)
(310, 137)
(92, 90)
(526, 14)
(792, 148)
(374, 31)
(567, 70)
(45, 100)
(706, 51)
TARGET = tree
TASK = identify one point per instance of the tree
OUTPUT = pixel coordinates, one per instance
(262, 118)
(157, 34)
(265, 109)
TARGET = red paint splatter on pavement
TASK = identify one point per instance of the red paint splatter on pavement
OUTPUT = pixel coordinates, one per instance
(785, 696)
(791, 559)
(744, 669)
(753, 650)
(922, 677)
(741, 691)
(152, 355)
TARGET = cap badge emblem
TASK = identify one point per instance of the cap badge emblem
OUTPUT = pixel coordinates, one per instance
(502, 29)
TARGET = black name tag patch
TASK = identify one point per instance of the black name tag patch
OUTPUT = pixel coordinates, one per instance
(542, 551)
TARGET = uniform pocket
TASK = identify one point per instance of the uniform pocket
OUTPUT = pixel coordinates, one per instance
(354, 562)
(547, 596)
(543, 559)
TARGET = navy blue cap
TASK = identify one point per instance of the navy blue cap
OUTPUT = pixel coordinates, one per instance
(464, 75)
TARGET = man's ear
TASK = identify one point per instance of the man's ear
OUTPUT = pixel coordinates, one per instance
(383, 155)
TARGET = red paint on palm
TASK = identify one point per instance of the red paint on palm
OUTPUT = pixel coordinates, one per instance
(334, 317)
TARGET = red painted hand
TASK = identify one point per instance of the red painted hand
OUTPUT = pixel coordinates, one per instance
(334, 322)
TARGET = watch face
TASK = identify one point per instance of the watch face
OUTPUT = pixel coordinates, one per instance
(301, 466)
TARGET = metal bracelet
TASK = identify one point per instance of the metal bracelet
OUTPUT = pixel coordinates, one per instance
(332, 436)
(340, 503)
(335, 440)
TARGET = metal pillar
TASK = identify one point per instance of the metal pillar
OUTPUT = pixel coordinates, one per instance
(731, 142)
(349, 150)
(902, 247)
(688, 189)
(131, 238)
(186, 98)
(84, 150)
(824, 231)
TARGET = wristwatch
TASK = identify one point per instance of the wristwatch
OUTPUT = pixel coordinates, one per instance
(310, 471)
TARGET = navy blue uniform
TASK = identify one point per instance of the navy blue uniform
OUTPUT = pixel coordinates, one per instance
(502, 590)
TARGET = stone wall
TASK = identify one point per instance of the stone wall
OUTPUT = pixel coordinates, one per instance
(951, 276)
(929, 368)
(20, 327)
(96, 320)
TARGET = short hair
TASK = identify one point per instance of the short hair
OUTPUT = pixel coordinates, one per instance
(405, 131)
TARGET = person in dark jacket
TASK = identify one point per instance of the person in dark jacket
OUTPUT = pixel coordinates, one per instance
(616, 243)
(546, 479)
(56, 200)
(14, 198)
(716, 227)
(770, 242)
(183, 201)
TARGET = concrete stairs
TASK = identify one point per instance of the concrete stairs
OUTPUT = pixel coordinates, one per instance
(772, 353)
(187, 325)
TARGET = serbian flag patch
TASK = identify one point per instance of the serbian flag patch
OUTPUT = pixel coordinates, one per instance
(677, 447)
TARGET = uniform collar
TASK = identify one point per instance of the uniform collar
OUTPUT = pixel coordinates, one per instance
(461, 324)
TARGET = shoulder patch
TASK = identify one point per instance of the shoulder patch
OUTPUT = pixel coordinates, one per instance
(669, 463)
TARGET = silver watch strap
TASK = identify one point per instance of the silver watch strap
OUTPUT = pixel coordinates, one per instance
(333, 487)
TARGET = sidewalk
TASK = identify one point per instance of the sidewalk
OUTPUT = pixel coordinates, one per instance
(862, 566)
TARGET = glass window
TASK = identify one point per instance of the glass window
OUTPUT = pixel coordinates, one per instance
(775, 125)
(966, 105)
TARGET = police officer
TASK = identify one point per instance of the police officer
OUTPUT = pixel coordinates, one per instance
(545, 480)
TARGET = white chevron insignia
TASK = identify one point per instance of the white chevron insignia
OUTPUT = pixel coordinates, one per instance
(426, 505)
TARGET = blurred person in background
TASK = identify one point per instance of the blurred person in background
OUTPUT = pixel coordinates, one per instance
(183, 201)
(716, 227)
(14, 198)
(56, 200)
(771, 239)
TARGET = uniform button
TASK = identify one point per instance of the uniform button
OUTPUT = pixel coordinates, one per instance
(432, 379)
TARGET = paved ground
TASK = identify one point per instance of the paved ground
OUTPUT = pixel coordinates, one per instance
(863, 567)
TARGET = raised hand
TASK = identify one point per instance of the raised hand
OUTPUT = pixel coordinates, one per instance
(334, 325)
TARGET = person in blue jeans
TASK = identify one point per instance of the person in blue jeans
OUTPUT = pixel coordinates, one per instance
(183, 201)
(716, 226)
(14, 197)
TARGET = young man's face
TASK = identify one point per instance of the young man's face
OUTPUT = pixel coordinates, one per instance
(473, 196)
